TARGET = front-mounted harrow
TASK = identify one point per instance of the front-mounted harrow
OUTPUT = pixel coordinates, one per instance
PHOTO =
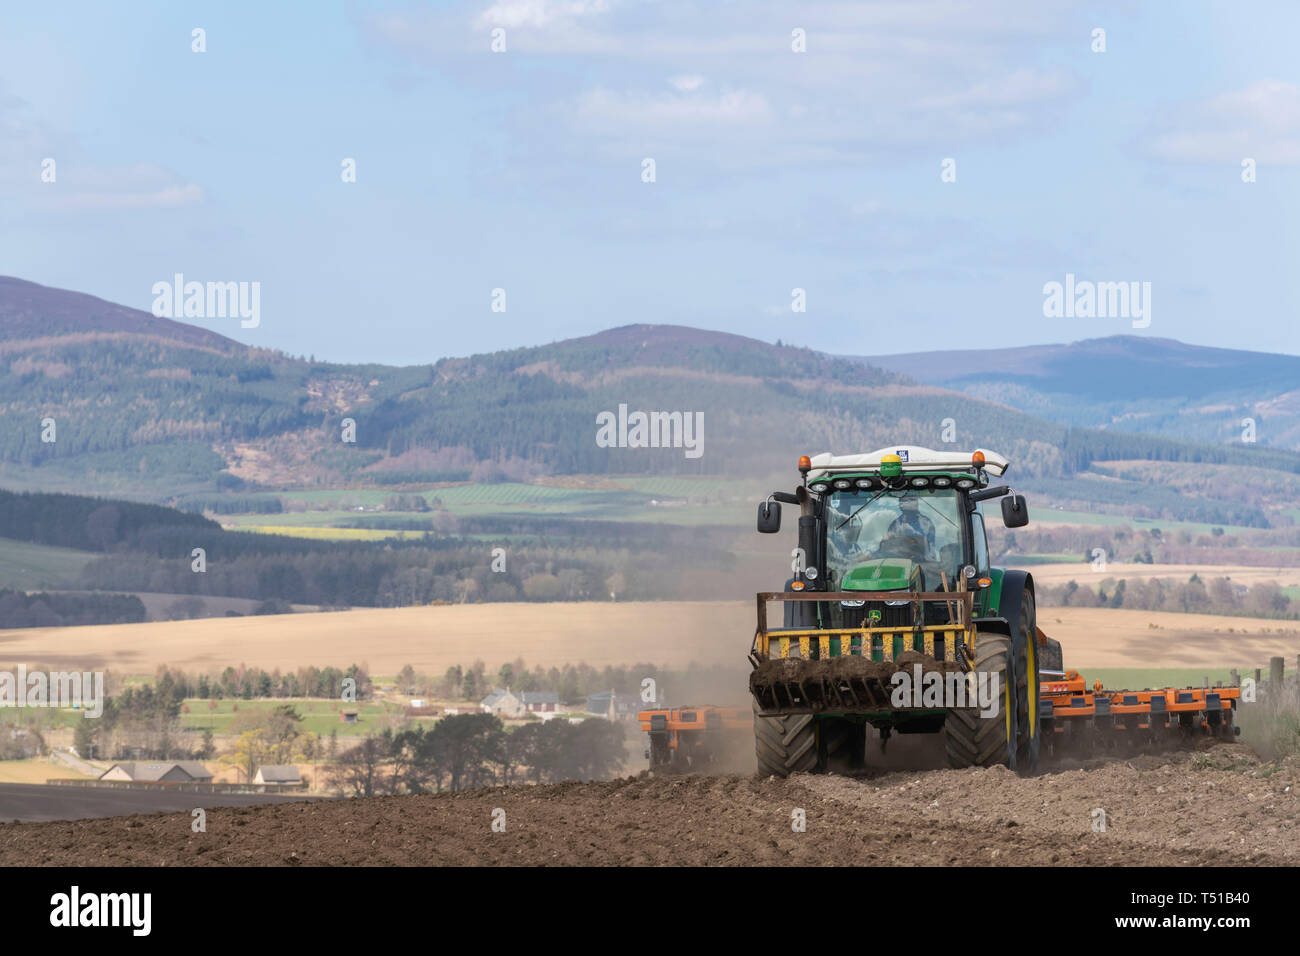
(850, 669)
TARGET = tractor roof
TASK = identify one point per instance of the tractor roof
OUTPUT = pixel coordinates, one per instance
(914, 457)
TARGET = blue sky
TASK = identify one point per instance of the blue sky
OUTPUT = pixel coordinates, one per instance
(774, 169)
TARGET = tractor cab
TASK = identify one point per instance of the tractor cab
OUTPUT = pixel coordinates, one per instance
(891, 540)
(895, 520)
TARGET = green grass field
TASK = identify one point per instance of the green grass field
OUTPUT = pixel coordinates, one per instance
(30, 567)
(1026, 560)
(689, 502)
(41, 717)
(325, 533)
(685, 501)
(319, 716)
(1045, 515)
(1139, 678)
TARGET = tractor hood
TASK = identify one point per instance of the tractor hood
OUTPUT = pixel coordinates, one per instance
(882, 574)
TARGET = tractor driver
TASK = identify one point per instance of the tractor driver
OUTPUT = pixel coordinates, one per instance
(911, 523)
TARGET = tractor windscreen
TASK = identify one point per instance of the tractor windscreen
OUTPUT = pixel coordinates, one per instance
(919, 527)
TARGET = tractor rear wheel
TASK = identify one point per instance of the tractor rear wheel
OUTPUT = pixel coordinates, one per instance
(1028, 733)
(785, 744)
(973, 740)
(660, 755)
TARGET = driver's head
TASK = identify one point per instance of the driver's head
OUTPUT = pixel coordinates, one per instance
(909, 505)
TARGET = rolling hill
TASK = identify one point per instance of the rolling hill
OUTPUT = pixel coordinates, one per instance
(153, 409)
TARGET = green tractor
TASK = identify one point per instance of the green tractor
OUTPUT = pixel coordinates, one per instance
(895, 620)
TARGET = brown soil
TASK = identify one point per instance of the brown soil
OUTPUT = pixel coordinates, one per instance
(1214, 806)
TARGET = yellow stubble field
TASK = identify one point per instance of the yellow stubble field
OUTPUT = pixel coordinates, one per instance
(672, 634)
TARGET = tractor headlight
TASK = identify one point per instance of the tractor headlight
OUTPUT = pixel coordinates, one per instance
(964, 483)
(810, 573)
(820, 487)
(842, 484)
(942, 482)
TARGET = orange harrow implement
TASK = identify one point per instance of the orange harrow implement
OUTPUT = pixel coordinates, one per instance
(690, 737)
(1076, 717)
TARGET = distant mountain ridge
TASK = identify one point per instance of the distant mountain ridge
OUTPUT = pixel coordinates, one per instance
(156, 409)
(1138, 384)
(1098, 368)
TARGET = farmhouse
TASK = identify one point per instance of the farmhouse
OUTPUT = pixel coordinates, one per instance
(540, 701)
(276, 773)
(503, 703)
(173, 771)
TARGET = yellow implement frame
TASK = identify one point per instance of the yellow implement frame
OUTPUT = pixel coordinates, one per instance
(872, 643)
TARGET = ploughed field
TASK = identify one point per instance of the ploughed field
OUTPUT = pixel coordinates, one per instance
(1213, 805)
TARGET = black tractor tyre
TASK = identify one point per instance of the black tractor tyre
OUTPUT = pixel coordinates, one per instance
(660, 755)
(841, 745)
(1028, 731)
(972, 740)
(785, 744)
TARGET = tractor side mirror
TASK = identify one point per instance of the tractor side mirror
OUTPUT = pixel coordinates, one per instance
(769, 517)
(1015, 513)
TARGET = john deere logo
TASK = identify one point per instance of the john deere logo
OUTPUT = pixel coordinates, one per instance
(874, 615)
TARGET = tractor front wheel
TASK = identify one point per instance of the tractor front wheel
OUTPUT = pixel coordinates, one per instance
(785, 744)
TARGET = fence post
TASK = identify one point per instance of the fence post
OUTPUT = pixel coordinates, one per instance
(1236, 678)
(1276, 667)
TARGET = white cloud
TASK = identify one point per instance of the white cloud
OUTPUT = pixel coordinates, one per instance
(1261, 122)
(167, 197)
(606, 110)
(1018, 88)
(25, 144)
(538, 14)
(864, 207)
(879, 78)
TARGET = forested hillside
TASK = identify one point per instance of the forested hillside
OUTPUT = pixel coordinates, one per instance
(98, 398)
(148, 548)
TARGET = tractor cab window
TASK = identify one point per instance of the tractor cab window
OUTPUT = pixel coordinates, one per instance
(920, 526)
